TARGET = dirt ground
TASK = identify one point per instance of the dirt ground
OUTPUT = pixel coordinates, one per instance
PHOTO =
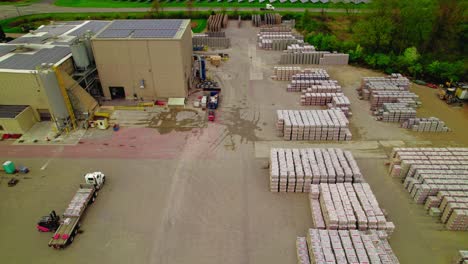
(200, 195)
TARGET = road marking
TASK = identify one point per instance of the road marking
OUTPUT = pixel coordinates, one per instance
(46, 164)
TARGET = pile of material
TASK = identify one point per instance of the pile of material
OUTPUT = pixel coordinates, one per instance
(267, 19)
(379, 98)
(319, 98)
(302, 58)
(438, 178)
(325, 86)
(293, 170)
(217, 22)
(297, 73)
(396, 112)
(213, 42)
(78, 203)
(277, 40)
(334, 59)
(320, 125)
(276, 28)
(343, 246)
(346, 206)
(342, 103)
(296, 48)
(431, 124)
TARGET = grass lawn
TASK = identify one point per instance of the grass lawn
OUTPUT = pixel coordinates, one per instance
(200, 25)
(18, 2)
(202, 3)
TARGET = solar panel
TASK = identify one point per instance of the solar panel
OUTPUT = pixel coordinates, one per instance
(151, 33)
(115, 33)
(6, 49)
(93, 26)
(55, 30)
(30, 61)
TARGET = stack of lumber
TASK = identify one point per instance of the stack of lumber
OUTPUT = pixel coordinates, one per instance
(293, 170)
(353, 246)
(217, 22)
(347, 206)
(437, 178)
(324, 125)
(431, 124)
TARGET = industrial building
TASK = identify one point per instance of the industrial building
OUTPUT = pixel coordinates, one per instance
(144, 59)
(57, 70)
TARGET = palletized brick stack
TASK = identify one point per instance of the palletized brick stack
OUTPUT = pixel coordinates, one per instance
(431, 124)
(342, 103)
(353, 246)
(278, 40)
(397, 112)
(302, 251)
(319, 98)
(285, 73)
(316, 85)
(347, 206)
(378, 98)
(293, 170)
(320, 125)
(311, 74)
(303, 48)
(438, 178)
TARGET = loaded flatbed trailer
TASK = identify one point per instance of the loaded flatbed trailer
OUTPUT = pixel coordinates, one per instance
(70, 222)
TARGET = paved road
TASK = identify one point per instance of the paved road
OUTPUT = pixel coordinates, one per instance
(7, 11)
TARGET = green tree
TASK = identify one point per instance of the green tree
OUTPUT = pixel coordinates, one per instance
(449, 24)
(156, 8)
(2, 34)
(375, 33)
(189, 6)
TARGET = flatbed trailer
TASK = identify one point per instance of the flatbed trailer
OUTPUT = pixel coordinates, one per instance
(70, 222)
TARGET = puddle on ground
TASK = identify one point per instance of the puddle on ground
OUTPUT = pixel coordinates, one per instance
(238, 124)
(179, 120)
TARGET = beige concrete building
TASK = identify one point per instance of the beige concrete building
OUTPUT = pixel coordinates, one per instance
(16, 119)
(144, 59)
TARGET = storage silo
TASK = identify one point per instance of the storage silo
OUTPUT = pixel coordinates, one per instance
(87, 41)
(54, 96)
(80, 55)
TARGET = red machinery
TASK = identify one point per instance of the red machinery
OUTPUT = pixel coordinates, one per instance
(211, 116)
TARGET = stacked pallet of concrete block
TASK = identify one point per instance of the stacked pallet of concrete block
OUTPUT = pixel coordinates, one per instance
(312, 57)
(349, 246)
(379, 98)
(293, 170)
(320, 125)
(318, 98)
(285, 73)
(276, 28)
(438, 178)
(334, 59)
(347, 206)
(302, 251)
(394, 82)
(397, 112)
(213, 42)
(431, 124)
(278, 40)
(296, 48)
(324, 86)
(311, 74)
(217, 22)
(341, 102)
(462, 257)
(267, 19)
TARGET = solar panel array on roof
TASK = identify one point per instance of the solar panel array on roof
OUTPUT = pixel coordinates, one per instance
(30, 40)
(142, 29)
(93, 26)
(24, 61)
(4, 49)
(55, 29)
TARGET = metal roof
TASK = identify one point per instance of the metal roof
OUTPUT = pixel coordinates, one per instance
(4, 49)
(55, 29)
(31, 59)
(11, 111)
(143, 28)
(93, 26)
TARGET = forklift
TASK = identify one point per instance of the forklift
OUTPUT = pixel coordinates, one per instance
(48, 223)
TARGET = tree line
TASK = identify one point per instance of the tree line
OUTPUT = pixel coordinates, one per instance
(422, 38)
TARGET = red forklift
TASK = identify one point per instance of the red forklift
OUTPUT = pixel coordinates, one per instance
(48, 223)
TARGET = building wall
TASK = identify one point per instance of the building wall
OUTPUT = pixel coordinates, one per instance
(19, 125)
(22, 89)
(164, 65)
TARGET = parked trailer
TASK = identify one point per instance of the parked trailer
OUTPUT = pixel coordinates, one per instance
(70, 222)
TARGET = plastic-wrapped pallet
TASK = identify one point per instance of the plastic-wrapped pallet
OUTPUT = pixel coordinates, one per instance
(342, 246)
(322, 125)
(437, 178)
(348, 206)
(302, 251)
(293, 170)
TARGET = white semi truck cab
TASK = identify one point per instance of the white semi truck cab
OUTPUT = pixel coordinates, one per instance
(96, 178)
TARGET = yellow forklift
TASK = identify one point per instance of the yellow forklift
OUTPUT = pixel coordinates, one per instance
(454, 93)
